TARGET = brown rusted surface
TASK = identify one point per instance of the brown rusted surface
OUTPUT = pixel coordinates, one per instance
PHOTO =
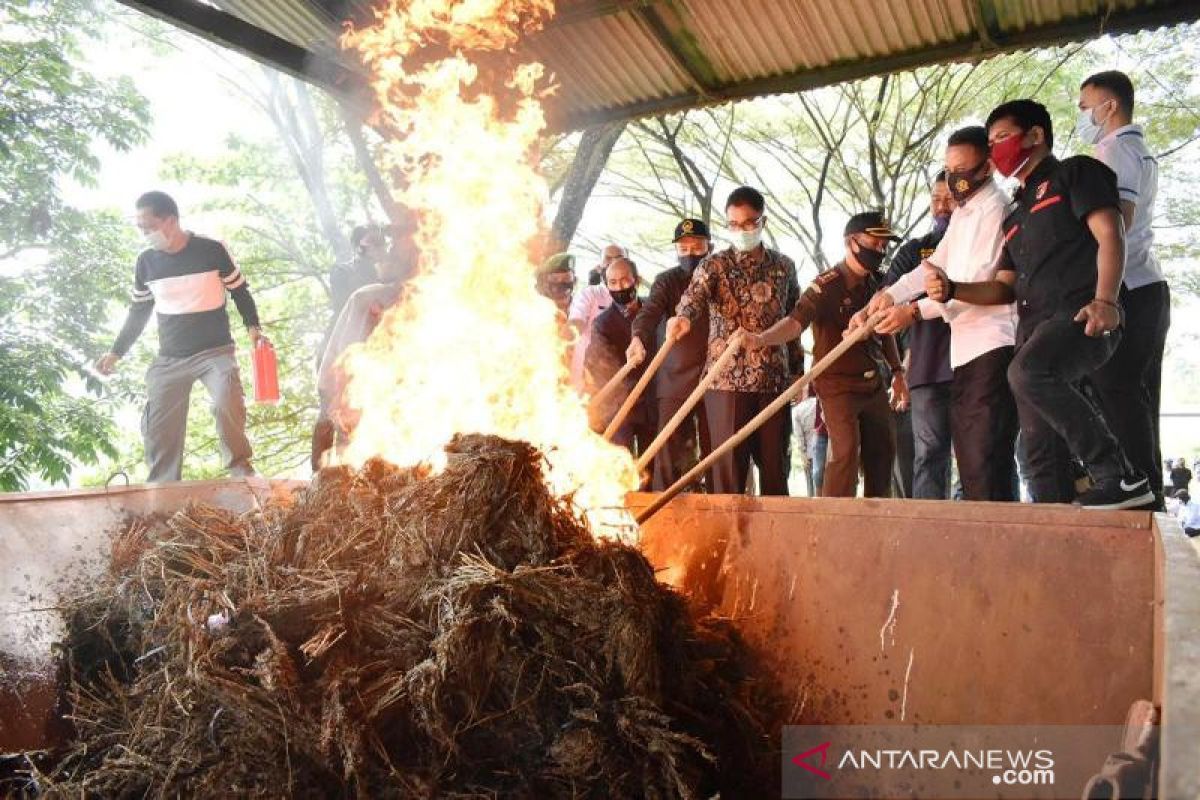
(53, 543)
(873, 611)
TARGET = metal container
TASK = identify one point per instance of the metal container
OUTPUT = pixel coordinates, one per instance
(865, 611)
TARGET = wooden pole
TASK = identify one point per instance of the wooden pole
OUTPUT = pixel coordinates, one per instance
(638, 388)
(735, 343)
(612, 384)
(750, 427)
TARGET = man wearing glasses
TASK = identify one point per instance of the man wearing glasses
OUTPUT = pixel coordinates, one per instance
(746, 286)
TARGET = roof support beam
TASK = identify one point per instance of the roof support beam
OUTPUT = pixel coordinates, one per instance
(666, 22)
(230, 31)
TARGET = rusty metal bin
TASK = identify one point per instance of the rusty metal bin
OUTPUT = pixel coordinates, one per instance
(876, 612)
(866, 611)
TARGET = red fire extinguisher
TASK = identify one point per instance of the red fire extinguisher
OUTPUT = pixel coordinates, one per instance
(266, 373)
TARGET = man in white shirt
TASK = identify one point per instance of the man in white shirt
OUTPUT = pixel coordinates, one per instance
(1129, 383)
(1188, 514)
(585, 307)
(983, 414)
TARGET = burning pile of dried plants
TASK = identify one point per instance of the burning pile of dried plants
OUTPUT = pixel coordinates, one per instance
(391, 633)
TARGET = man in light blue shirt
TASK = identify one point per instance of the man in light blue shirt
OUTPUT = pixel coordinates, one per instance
(1129, 383)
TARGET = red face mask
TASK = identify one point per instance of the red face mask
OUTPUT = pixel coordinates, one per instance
(1009, 156)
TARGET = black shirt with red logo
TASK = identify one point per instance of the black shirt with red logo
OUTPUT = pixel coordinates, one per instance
(1047, 240)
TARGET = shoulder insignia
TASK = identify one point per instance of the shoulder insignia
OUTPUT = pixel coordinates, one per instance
(1041, 189)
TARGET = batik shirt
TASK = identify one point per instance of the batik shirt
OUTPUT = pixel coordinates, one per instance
(751, 290)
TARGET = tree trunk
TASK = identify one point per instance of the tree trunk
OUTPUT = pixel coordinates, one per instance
(594, 148)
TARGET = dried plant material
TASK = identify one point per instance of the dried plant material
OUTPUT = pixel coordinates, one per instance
(395, 634)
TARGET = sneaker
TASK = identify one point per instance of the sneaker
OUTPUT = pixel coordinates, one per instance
(1115, 494)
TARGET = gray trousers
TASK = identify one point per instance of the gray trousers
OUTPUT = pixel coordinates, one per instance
(164, 421)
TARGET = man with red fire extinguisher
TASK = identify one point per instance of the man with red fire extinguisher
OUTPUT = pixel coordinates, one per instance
(185, 278)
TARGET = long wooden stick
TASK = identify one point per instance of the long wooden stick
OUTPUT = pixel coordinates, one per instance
(735, 343)
(750, 427)
(612, 384)
(638, 388)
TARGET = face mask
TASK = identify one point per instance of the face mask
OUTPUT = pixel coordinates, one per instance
(870, 260)
(623, 297)
(690, 262)
(1009, 156)
(156, 239)
(1086, 127)
(745, 241)
(941, 223)
(964, 184)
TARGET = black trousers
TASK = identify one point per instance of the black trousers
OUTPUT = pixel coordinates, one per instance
(769, 446)
(1057, 420)
(1129, 385)
(861, 424)
(686, 446)
(931, 441)
(983, 424)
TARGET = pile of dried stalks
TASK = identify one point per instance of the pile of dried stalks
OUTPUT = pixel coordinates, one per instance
(392, 634)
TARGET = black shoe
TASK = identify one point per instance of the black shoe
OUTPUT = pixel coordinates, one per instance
(1115, 494)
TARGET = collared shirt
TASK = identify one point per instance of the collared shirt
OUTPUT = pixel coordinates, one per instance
(827, 305)
(586, 305)
(968, 253)
(929, 339)
(1124, 151)
(751, 290)
(1189, 514)
(1047, 239)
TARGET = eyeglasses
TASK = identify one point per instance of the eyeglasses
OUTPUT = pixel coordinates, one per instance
(748, 225)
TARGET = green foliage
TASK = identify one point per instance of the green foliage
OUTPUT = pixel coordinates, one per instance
(62, 264)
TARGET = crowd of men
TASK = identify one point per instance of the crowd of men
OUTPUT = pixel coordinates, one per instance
(1023, 335)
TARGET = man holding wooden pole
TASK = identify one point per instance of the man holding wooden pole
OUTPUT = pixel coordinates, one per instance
(681, 369)
(745, 288)
(853, 395)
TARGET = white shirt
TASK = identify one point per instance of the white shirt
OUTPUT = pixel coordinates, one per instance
(968, 254)
(1189, 515)
(586, 305)
(1124, 151)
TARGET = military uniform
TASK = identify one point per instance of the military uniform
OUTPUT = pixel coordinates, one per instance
(853, 395)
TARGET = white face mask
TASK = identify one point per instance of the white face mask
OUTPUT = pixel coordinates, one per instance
(745, 241)
(156, 239)
(1086, 127)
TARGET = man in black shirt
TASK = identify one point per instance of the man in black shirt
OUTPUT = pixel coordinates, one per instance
(612, 332)
(370, 248)
(680, 371)
(929, 374)
(1062, 261)
(184, 277)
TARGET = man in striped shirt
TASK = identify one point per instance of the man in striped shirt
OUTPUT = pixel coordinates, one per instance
(185, 278)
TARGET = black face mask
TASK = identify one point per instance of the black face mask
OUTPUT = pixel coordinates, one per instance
(689, 263)
(964, 184)
(871, 260)
(623, 297)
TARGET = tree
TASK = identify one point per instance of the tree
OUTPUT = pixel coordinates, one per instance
(61, 264)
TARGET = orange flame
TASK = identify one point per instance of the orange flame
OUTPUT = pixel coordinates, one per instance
(473, 347)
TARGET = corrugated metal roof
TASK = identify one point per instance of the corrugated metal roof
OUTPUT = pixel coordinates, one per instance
(624, 58)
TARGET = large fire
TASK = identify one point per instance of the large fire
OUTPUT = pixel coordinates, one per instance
(473, 347)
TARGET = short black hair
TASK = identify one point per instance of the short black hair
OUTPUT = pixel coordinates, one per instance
(361, 232)
(746, 196)
(972, 136)
(160, 204)
(1115, 82)
(940, 177)
(1027, 114)
(632, 266)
